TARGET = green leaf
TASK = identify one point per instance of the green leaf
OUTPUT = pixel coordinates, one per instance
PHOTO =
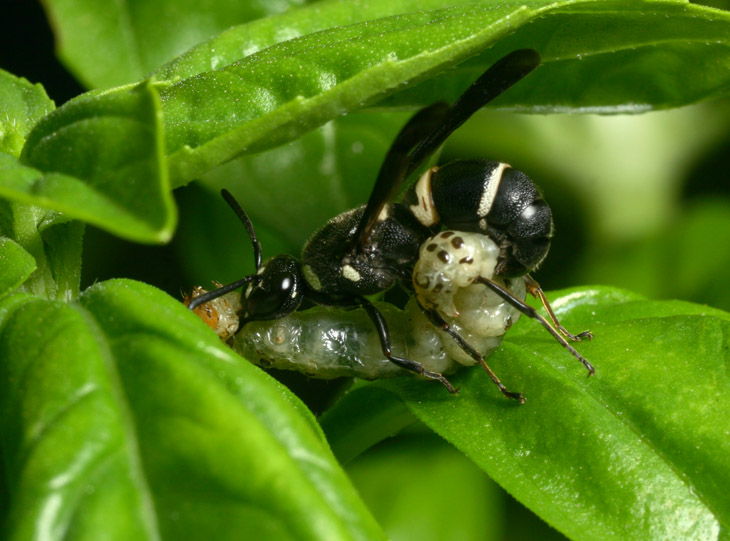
(72, 196)
(15, 265)
(99, 161)
(22, 104)
(639, 451)
(306, 81)
(124, 416)
(217, 115)
(54, 243)
(246, 39)
(353, 426)
(341, 160)
(112, 44)
(64, 431)
(286, 90)
(613, 56)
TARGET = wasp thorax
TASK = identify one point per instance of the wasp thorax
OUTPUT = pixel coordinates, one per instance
(448, 262)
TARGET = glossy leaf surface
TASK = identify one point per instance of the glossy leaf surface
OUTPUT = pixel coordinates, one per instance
(311, 79)
(109, 44)
(15, 265)
(101, 162)
(124, 415)
(639, 451)
(247, 39)
(22, 104)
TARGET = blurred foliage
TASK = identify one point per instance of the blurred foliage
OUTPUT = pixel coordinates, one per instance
(641, 202)
(418, 487)
(397, 482)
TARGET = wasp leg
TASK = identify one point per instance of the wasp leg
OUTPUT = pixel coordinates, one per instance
(409, 364)
(439, 322)
(536, 291)
(529, 311)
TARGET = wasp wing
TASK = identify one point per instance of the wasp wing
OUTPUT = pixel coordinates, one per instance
(437, 121)
(497, 79)
(395, 167)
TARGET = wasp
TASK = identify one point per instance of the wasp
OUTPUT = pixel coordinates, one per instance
(470, 229)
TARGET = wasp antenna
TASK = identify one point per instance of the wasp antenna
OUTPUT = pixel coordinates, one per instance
(210, 295)
(246, 221)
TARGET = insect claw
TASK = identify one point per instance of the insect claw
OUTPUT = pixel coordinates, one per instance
(590, 368)
(587, 335)
(514, 396)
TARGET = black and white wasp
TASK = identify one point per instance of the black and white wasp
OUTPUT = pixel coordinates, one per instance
(463, 239)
